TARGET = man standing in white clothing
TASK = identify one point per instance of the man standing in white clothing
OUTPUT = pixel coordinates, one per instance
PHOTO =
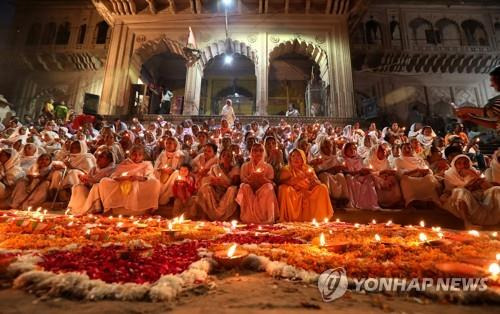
(166, 101)
(228, 113)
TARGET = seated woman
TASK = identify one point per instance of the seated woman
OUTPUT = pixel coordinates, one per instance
(166, 168)
(78, 162)
(41, 183)
(257, 198)
(132, 189)
(417, 180)
(10, 172)
(470, 197)
(29, 155)
(493, 172)
(360, 180)
(274, 155)
(437, 163)
(216, 198)
(203, 162)
(329, 168)
(301, 195)
(386, 178)
(85, 196)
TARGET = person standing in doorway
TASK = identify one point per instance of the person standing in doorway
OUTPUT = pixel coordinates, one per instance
(292, 112)
(166, 101)
(227, 113)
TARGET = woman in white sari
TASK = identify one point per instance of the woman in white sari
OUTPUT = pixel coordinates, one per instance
(133, 188)
(469, 196)
(203, 162)
(216, 198)
(42, 181)
(167, 168)
(79, 162)
(329, 168)
(386, 178)
(493, 172)
(10, 172)
(417, 180)
(29, 155)
(85, 196)
(257, 198)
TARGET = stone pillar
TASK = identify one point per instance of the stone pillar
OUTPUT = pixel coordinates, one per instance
(341, 86)
(192, 90)
(116, 85)
(261, 73)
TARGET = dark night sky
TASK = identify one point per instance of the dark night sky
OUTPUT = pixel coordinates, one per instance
(6, 12)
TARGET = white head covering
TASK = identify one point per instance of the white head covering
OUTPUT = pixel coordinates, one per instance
(452, 176)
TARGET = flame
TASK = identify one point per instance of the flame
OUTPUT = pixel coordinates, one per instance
(337, 220)
(389, 223)
(120, 216)
(70, 223)
(38, 209)
(258, 170)
(325, 220)
(125, 174)
(377, 238)
(440, 235)
(356, 225)
(315, 222)
(87, 232)
(234, 223)
(498, 256)
(65, 213)
(170, 226)
(422, 223)
(494, 269)
(474, 233)
(29, 209)
(119, 225)
(322, 241)
(181, 219)
(374, 221)
(422, 237)
(231, 250)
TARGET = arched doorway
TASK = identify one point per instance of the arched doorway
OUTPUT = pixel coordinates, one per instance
(235, 80)
(298, 75)
(158, 66)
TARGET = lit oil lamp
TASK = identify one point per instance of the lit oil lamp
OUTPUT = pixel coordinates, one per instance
(494, 270)
(422, 224)
(231, 258)
(377, 238)
(124, 174)
(474, 233)
(170, 233)
(422, 237)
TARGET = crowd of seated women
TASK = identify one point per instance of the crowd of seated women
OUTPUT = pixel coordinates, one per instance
(257, 173)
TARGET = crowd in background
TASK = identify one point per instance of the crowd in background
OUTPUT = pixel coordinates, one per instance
(256, 173)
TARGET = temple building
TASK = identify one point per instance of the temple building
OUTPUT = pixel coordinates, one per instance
(333, 58)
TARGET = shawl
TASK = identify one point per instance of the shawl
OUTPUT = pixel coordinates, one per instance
(130, 168)
(375, 163)
(28, 161)
(170, 159)
(305, 167)
(408, 163)
(452, 178)
(11, 171)
(83, 160)
(352, 163)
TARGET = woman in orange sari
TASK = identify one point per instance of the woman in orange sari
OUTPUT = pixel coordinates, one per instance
(302, 197)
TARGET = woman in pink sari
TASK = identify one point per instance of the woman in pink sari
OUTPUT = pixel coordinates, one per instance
(256, 197)
(216, 198)
(132, 189)
(360, 180)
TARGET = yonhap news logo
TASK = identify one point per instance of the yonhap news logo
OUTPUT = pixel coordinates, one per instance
(333, 284)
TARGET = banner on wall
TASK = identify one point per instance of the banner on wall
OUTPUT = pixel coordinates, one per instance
(369, 108)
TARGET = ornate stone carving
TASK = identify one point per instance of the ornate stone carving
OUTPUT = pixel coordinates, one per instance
(320, 39)
(140, 38)
(252, 38)
(274, 39)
